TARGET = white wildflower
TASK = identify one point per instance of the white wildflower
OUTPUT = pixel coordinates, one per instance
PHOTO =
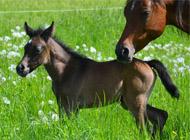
(9, 44)
(147, 58)
(99, 58)
(3, 79)
(50, 102)
(23, 33)
(42, 103)
(181, 69)
(6, 38)
(92, 50)
(12, 30)
(18, 28)
(188, 49)
(54, 117)
(14, 83)
(44, 119)
(86, 49)
(46, 25)
(84, 45)
(77, 47)
(13, 54)
(31, 75)
(139, 54)
(48, 77)
(17, 34)
(12, 67)
(180, 60)
(110, 58)
(3, 52)
(147, 48)
(159, 46)
(40, 113)
(42, 116)
(15, 47)
(6, 100)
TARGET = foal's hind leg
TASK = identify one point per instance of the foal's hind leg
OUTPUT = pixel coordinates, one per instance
(137, 105)
(157, 117)
(123, 104)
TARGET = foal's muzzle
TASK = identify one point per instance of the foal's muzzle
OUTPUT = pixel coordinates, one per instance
(124, 54)
(22, 70)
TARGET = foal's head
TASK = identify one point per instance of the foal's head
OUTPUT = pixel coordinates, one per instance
(36, 50)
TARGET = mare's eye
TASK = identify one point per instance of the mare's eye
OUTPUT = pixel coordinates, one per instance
(144, 15)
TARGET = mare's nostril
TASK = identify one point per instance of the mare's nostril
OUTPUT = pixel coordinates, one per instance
(125, 52)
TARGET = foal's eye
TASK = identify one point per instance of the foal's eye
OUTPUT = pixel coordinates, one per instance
(38, 50)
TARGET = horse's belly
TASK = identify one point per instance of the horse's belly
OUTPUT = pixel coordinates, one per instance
(100, 95)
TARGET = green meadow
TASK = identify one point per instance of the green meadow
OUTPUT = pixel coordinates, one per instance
(28, 108)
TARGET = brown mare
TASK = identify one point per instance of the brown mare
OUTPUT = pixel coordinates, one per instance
(146, 20)
(79, 82)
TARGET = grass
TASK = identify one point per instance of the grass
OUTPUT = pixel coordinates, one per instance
(26, 106)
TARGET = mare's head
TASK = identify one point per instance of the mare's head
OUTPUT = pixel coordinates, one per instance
(146, 20)
(36, 50)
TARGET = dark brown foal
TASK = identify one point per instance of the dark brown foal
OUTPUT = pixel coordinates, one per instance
(79, 82)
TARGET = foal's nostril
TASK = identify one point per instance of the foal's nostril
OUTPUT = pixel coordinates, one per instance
(21, 66)
(22, 70)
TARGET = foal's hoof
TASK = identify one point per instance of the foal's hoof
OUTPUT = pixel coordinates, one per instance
(163, 116)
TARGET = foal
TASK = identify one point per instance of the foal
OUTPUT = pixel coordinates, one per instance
(79, 82)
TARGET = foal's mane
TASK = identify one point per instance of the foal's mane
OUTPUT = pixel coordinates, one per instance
(68, 49)
(65, 47)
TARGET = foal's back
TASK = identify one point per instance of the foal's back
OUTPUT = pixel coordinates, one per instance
(110, 80)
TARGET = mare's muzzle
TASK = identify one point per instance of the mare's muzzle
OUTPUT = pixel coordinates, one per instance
(22, 70)
(124, 54)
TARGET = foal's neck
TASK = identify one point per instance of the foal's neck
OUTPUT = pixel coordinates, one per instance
(59, 58)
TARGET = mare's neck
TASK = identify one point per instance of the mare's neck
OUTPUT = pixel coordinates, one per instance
(184, 22)
(59, 59)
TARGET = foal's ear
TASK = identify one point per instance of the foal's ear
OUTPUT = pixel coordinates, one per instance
(29, 31)
(47, 33)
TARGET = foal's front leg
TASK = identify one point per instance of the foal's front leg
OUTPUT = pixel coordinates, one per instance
(67, 106)
(70, 108)
(60, 107)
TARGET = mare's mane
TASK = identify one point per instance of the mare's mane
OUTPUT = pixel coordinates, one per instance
(179, 4)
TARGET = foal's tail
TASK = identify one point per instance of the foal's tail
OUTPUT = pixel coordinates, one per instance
(165, 77)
